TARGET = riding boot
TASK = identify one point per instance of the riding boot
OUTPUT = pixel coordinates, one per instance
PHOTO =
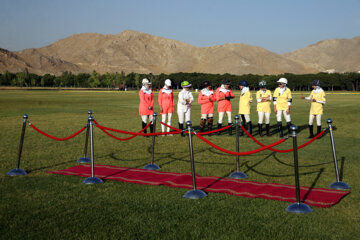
(280, 129)
(311, 131)
(230, 129)
(318, 130)
(267, 130)
(288, 124)
(242, 131)
(151, 128)
(143, 125)
(260, 130)
(219, 126)
(249, 127)
(210, 124)
(202, 124)
(181, 127)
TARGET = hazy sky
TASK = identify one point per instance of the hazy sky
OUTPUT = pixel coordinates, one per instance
(277, 25)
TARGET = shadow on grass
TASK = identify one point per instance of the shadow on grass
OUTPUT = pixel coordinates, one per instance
(313, 184)
(292, 165)
(342, 168)
(252, 169)
(50, 166)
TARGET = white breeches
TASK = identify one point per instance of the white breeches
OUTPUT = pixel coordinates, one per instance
(261, 117)
(145, 118)
(318, 119)
(163, 119)
(206, 116)
(184, 116)
(286, 116)
(221, 116)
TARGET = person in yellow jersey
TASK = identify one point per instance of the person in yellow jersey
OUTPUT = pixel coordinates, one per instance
(263, 98)
(317, 98)
(244, 104)
(282, 100)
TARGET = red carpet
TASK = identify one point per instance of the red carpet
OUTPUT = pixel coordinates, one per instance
(318, 197)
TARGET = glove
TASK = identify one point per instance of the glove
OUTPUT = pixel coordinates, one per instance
(228, 98)
(149, 108)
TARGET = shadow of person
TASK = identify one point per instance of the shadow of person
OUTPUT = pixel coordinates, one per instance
(313, 184)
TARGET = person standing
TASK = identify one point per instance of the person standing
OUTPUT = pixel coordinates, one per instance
(206, 99)
(146, 106)
(223, 96)
(244, 104)
(263, 98)
(317, 98)
(282, 100)
(166, 104)
(185, 98)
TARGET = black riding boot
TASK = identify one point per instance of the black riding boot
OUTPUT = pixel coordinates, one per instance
(318, 130)
(143, 125)
(260, 130)
(230, 129)
(288, 124)
(181, 127)
(219, 126)
(280, 129)
(241, 131)
(210, 124)
(268, 130)
(249, 127)
(202, 124)
(311, 131)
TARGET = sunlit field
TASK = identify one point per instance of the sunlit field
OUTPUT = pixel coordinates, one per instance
(46, 206)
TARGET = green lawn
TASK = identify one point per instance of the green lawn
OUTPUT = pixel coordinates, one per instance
(46, 206)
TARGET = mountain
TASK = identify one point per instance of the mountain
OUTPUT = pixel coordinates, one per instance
(342, 55)
(132, 51)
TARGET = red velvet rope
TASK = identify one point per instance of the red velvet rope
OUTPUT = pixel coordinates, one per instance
(56, 138)
(200, 133)
(240, 153)
(283, 151)
(117, 138)
(137, 134)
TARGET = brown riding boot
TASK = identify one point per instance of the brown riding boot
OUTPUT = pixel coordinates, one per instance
(210, 124)
(202, 124)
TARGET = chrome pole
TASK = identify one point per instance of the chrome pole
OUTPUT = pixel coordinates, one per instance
(18, 171)
(92, 179)
(297, 207)
(152, 165)
(85, 159)
(194, 193)
(237, 174)
(338, 184)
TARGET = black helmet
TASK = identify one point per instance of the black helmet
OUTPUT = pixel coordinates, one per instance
(206, 84)
(226, 82)
(316, 82)
(243, 83)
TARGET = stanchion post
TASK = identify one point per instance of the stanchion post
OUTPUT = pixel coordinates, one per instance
(152, 165)
(18, 171)
(237, 174)
(338, 184)
(297, 207)
(85, 159)
(92, 179)
(194, 193)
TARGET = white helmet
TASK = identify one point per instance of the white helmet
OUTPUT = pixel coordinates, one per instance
(168, 82)
(145, 81)
(282, 80)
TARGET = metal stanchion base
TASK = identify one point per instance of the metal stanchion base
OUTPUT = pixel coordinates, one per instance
(298, 208)
(238, 175)
(84, 160)
(16, 172)
(152, 166)
(195, 194)
(339, 185)
(92, 180)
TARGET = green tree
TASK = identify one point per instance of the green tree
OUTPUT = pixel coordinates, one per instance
(94, 80)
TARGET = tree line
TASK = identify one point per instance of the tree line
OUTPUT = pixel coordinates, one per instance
(297, 82)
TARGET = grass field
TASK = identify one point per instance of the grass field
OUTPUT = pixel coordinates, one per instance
(46, 206)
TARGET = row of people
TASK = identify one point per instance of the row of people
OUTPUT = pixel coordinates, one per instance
(282, 100)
